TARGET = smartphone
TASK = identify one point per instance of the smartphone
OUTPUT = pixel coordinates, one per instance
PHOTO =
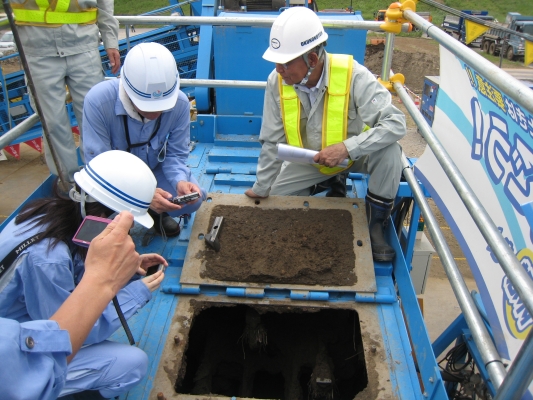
(89, 229)
(186, 198)
(155, 268)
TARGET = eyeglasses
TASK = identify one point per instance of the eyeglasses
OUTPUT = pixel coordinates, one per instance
(287, 65)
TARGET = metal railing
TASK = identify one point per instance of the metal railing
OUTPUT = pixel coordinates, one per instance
(521, 372)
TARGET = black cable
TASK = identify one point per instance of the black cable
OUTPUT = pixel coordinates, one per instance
(457, 354)
(123, 321)
(401, 209)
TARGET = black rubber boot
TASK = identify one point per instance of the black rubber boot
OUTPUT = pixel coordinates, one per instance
(336, 186)
(164, 223)
(378, 211)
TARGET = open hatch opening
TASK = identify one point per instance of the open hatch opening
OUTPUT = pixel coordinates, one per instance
(274, 352)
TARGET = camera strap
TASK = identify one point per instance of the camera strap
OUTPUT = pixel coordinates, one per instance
(130, 146)
(8, 260)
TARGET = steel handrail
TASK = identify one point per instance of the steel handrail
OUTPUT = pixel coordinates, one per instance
(245, 21)
(512, 87)
(524, 97)
(482, 338)
(18, 130)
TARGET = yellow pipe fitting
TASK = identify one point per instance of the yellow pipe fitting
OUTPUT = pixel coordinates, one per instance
(394, 12)
(394, 15)
(396, 78)
(386, 84)
(409, 5)
(391, 27)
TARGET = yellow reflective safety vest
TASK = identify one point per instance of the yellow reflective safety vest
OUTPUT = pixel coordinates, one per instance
(52, 14)
(335, 117)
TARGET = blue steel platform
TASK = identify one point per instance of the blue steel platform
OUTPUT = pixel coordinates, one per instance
(231, 169)
(227, 164)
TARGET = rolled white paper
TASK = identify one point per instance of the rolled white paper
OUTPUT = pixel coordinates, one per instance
(300, 155)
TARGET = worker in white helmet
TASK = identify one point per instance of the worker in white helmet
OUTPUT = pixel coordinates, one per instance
(146, 114)
(39, 351)
(331, 104)
(37, 280)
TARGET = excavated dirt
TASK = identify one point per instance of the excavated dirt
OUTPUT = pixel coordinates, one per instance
(309, 247)
(414, 58)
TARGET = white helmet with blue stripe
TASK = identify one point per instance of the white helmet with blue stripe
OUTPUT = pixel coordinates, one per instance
(120, 181)
(150, 77)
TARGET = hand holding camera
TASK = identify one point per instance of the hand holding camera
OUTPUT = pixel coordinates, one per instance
(186, 198)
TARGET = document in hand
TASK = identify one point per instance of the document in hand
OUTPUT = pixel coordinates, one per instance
(300, 155)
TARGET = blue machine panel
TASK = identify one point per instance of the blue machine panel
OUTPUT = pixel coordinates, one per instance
(238, 52)
(429, 98)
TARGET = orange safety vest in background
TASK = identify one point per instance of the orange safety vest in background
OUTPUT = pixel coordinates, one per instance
(52, 14)
(335, 115)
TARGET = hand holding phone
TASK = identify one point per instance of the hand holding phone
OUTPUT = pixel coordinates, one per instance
(90, 227)
(186, 198)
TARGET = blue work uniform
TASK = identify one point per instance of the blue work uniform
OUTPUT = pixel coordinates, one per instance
(35, 355)
(37, 284)
(166, 152)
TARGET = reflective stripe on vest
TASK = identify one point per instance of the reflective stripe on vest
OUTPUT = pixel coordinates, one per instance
(58, 16)
(334, 129)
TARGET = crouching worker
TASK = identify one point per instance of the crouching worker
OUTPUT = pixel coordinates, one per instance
(145, 113)
(44, 274)
(331, 104)
(38, 351)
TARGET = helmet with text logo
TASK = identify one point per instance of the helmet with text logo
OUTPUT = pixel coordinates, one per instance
(295, 31)
(120, 181)
(150, 77)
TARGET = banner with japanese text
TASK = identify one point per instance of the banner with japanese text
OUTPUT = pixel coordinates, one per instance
(490, 139)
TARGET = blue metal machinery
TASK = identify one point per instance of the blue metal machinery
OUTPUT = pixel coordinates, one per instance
(224, 153)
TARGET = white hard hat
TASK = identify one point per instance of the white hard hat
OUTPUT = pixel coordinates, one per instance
(294, 32)
(150, 77)
(120, 181)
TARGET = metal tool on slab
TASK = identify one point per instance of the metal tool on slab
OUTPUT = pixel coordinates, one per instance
(212, 237)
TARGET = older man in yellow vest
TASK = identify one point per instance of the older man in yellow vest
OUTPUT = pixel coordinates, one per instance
(60, 40)
(331, 104)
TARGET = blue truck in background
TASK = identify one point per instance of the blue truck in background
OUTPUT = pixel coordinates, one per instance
(455, 25)
(497, 41)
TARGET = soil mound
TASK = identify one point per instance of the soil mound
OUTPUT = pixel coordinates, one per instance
(414, 66)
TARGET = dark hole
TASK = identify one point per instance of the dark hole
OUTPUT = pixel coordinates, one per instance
(227, 378)
(274, 352)
(268, 386)
(359, 243)
(303, 378)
